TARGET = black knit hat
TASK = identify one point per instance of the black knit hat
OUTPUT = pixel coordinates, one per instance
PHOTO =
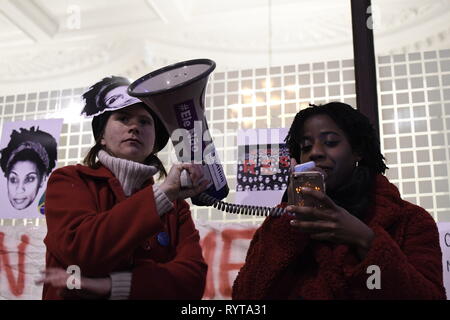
(99, 105)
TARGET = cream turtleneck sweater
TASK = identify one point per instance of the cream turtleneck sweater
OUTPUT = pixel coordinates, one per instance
(132, 176)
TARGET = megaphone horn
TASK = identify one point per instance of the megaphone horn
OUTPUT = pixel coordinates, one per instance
(176, 94)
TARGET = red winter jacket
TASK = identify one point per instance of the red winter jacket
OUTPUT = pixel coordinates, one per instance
(283, 263)
(92, 224)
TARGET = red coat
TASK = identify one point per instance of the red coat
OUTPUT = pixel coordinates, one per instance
(283, 263)
(93, 225)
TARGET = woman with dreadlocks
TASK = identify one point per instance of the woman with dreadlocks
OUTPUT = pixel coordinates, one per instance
(362, 242)
(27, 161)
(128, 237)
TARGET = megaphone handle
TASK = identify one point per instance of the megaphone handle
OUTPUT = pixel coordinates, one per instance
(185, 179)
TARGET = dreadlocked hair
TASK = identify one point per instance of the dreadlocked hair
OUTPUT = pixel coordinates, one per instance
(357, 127)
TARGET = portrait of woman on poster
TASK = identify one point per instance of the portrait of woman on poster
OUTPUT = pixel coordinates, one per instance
(28, 159)
(360, 225)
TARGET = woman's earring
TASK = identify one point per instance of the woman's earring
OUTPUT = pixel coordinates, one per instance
(357, 163)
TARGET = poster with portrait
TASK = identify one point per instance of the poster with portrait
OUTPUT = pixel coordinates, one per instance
(263, 166)
(28, 156)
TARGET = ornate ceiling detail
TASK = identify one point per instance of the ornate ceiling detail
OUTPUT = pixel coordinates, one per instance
(164, 31)
(56, 61)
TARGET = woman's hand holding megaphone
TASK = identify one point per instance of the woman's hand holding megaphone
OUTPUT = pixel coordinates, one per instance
(175, 189)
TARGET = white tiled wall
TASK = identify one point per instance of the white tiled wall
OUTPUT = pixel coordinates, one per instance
(414, 100)
(414, 109)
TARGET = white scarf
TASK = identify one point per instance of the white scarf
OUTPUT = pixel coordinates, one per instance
(131, 174)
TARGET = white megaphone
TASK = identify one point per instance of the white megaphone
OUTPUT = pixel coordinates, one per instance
(176, 94)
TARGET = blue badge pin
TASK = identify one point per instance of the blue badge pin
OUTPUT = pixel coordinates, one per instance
(41, 205)
(163, 239)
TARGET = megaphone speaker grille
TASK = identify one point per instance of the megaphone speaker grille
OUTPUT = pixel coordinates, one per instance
(171, 77)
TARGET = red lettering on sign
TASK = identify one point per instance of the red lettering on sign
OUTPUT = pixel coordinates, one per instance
(266, 163)
(249, 165)
(228, 235)
(284, 162)
(16, 286)
(208, 244)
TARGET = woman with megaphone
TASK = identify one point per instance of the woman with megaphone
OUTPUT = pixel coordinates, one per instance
(128, 237)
